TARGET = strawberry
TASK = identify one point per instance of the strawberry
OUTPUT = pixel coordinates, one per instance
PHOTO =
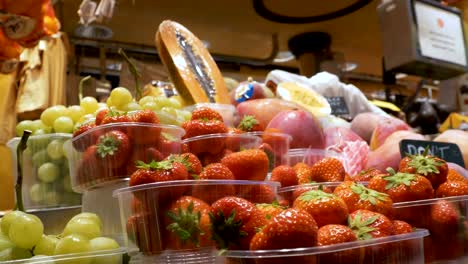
(452, 188)
(228, 215)
(165, 170)
(208, 158)
(401, 227)
(206, 113)
(147, 134)
(270, 210)
(190, 161)
(433, 168)
(211, 193)
(292, 228)
(334, 234)
(303, 172)
(142, 176)
(113, 149)
(328, 170)
(357, 196)
(89, 168)
(250, 124)
(403, 187)
(257, 222)
(326, 208)
(366, 175)
(142, 153)
(115, 117)
(83, 142)
(141, 229)
(259, 193)
(145, 116)
(285, 175)
(277, 140)
(453, 175)
(201, 127)
(100, 116)
(251, 164)
(367, 224)
(234, 131)
(188, 224)
(167, 144)
(272, 159)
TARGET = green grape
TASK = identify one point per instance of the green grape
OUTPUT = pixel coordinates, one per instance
(175, 103)
(73, 244)
(8, 219)
(89, 104)
(39, 132)
(83, 226)
(26, 231)
(55, 149)
(63, 124)
(37, 192)
(48, 172)
(151, 106)
(52, 113)
(15, 253)
(104, 243)
(75, 112)
(40, 158)
(146, 99)
(91, 216)
(67, 183)
(5, 242)
(86, 118)
(22, 126)
(162, 101)
(132, 106)
(46, 245)
(120, 96)
(38, 124)
(109, 102)
(52, 198)
(184, 115)
(169, 110)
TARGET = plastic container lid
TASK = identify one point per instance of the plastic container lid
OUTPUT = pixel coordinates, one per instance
(114, 253)
(462, 198)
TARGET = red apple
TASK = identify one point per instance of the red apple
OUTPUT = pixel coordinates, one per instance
(304, 128)
(384, 128)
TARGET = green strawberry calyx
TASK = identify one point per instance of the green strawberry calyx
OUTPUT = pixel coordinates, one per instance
(186, 224)
(362, 227)
(424, 164)
(315, 195)
(247, 123)
(155, 165)
(183, 159)
(368, 194)
(398, 178)
(108, 145)
(226, 230)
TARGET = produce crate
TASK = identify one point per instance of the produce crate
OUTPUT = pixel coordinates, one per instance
(448, 241)
(45, 169)
(401, 249)
(146, 142)
(115, 256)
(144, 210)
(227, 111)
(276, 145)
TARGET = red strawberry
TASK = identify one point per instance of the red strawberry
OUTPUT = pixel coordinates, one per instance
(292, 228)
(334, 234)
(403, 187)
(453, 175)
(366, 175)
(446, 220)
(211, 193)
(303, 172)
(208, 158)
(141, 229)
(206, 113)
(100, 116)
(270, 210)
(145, 116)
(326, 208)
(142, 153)
(257, 221)
(367, 224)
(190, 161)
(188, 224)
(147, 134)
(452, 188)
(250, 124)
(285, 175)
(83, 142)
(277, 140)
(433, 168)
(328, 170)
(228, 215)
(401, 227)
(260, 193)
(142, 176)
(298, 190)
(357, 196)
(251, 164)
(201, 127)
(272, 159)
(89, 169)
(115, 117)
(113, 149)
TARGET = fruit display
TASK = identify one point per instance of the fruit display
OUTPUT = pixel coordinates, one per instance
(45, 168)
(22, 240)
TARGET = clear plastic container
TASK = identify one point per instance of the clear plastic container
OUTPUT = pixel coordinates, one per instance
(45, 169)
(203, 256)
(227, 111)
(287, 195)
(110, 215)
(143, 209)
(114, 256)
(448, 241)
(276, 145)
(146, 142)
(401, 249)
(311, 156)
(212, 148)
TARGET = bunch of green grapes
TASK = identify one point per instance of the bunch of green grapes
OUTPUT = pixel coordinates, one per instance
(48, 164)
(22, 237)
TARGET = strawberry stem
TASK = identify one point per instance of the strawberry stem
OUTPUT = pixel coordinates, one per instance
(361, 227)
(367, 194)
(226, 231)
(186, 224)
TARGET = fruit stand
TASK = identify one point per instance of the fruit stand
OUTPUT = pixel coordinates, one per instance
(289, 169)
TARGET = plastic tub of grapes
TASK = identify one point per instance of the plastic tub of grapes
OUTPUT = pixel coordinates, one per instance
(156, 216)
(45, 169)
(109, 152)
(23, 240)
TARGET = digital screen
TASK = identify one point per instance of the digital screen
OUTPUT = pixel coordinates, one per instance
(440, 34)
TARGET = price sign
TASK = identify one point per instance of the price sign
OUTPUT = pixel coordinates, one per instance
(447, 151)
(338, 105)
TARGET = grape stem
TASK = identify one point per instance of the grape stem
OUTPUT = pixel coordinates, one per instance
(80, 87)
(19, 164)
(134, 71)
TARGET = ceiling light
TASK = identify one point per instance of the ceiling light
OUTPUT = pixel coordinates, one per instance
(401, 75)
